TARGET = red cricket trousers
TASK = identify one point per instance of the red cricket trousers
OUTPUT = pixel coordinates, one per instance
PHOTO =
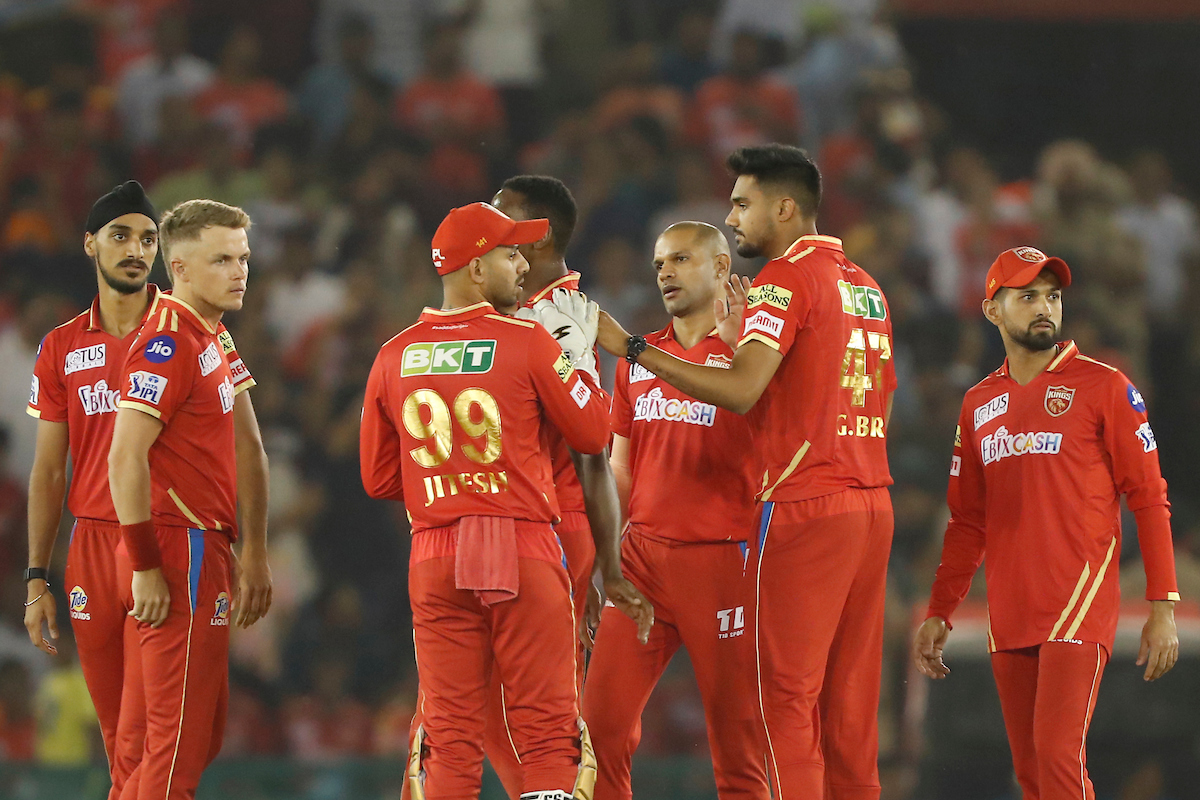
(177, 676)
(820, 583)
(530, 642)
(575, 538)
(701, 596)
(103, 632)
(1048, 694)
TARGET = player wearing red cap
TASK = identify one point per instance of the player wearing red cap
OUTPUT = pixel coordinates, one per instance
(451, 426)
(172, 471)
(814, 376)
(672, 452)
(76, 386)
(1045, 447)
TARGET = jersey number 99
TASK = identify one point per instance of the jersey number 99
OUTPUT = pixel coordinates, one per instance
(439, 431)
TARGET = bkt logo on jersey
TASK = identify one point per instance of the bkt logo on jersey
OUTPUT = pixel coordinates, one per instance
(732, 622)
(85, 358)
(99, 399)
(77, 600)
(220, 615)
(1002, 445)
(990, 410)
(146, 386)
(448, 358)
(160, 349)
(862, 301)
(210, 359)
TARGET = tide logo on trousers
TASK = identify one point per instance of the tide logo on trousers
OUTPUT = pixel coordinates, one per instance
(78, 601)
(731, 622)
(220, 615)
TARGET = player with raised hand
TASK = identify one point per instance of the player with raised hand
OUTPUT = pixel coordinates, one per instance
(671, 452)
(76, 386)
(173, 476)
(814, 376)
(451, 426)
(1045, 448)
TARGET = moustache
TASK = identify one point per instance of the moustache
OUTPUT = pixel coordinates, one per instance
(132, 262)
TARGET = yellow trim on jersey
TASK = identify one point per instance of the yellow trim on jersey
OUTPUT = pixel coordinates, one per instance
(192, 311)
(1109, 367)
(33, 412)
(787, 473)
(249, 383)
(1083, 576)
(759, 337)
(1173, 596)
(570, 276)
(453, 312)
(187, 512)
(817, 237)
(1067, 352)
(801, 254)
(151, 410)
(524, 323)
(174, 321)
(991, 639)
(162, 320)
(1091, 595)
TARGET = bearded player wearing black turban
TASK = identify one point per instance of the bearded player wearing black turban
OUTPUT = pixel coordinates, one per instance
(123, 215)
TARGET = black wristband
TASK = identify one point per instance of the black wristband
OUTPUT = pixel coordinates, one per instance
(634, 347)
(36, 574)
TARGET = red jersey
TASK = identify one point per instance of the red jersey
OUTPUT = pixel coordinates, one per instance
(453, 414)
(176, 372)
(684, 454)
(77, 380)
(1035, 483)
(820, 424)
(566, 479)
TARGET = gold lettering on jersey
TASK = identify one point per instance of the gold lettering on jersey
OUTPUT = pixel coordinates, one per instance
(958, 436)
(226, 341)
(451, 485)
(862, 301)
(438, 431)
(863, 427)
(770, 294)
(487, 428)
(854, 363)
(562, 365)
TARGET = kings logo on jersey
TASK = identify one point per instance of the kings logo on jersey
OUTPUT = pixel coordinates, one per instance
(1058, 400)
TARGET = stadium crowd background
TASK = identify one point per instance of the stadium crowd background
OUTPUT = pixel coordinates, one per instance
(347, 128)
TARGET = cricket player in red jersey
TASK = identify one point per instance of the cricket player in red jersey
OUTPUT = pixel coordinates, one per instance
(451, 426)
(671, 454)
(1046, 445)
(76, 386)
(814, 376)
(172, 471)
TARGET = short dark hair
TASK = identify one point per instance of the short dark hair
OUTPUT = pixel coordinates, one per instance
(548, 197)
(783, 167)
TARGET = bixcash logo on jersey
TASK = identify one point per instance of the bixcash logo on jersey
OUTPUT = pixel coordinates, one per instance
(448, 358)
(653, 406)
(99, 399)
(1002, 445)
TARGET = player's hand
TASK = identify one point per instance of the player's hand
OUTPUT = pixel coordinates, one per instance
(41, 610)
(731, 309)
(611, 336)
(928, 645)
(151, 598)
(591, 615)
(1160, 641)
(632, 603)
(252, 587)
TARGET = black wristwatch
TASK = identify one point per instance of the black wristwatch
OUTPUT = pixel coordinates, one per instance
(634, 347)
(36, 574)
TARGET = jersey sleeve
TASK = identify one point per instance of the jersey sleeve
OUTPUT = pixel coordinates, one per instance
(777, 307)
(158, 375)
(379, 449)
(622, 412)
(242, 379)
(963, 544)
(1133, 451)
(576, 406)
(47, 390)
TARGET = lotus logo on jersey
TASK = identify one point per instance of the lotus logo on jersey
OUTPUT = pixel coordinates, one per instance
(210, 359)
(77, 600)
(1058, 400)
(160, 349)
(989, 411)
(84, 358)
(638, 373)
(448, 358)
(99, 399)
(1002, 445)
(653, 406)
(220, 615)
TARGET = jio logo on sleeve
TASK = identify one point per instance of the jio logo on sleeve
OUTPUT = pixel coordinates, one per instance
(160, 349)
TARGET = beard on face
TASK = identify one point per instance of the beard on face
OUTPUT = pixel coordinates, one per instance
(119, 284)
(749, 249)
(1035, 342)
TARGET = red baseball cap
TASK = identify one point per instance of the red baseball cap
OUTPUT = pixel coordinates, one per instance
(472, 231)
(1020, 266)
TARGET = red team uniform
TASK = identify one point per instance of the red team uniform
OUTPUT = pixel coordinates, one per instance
(1035, 483)
(77, 380)
(176, 372)
(452, 426)
(825, 518)
(690, 507)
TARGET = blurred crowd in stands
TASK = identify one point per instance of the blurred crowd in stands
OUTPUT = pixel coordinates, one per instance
(347, 128)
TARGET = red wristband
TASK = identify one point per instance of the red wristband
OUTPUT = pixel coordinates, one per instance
(142, 545)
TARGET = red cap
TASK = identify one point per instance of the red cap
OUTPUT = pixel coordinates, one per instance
(472, 231)
(1020, 267)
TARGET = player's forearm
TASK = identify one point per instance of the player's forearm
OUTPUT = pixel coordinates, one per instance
(603, 508)
(253, 477)
(129, 483)
(727, 388)
(1158, 555)
(47, 488)
(962, 553)
(624, 483)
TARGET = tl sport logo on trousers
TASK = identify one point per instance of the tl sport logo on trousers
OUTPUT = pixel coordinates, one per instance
(77, 600)
(731, 622)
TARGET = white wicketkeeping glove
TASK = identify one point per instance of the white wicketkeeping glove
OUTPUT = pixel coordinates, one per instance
(572, 320)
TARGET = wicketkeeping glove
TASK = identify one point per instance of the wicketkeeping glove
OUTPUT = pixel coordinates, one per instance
(572, 320)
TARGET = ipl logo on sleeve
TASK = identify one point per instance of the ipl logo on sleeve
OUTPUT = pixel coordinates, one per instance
(220, 615)
(1146, 436)
(77, 600)
(146, 386)
(160, 349)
